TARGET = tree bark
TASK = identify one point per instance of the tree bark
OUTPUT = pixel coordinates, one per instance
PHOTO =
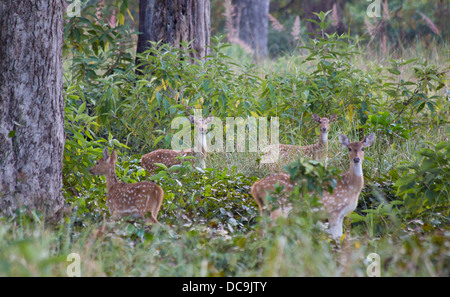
(253, 19)
(31, 106)
(174, 21)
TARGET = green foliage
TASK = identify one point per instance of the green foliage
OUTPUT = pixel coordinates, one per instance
(312, 176)
(379, 215)
(81, 145)
(96, 47)
(81, 149)
(216, 199)
(384, 123)
(425, 183)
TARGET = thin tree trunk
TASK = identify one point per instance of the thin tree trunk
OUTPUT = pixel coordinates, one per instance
(253, 18)
(31, 106)
(174, 21)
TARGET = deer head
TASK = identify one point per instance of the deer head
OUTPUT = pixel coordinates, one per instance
(324, 125)
(104, 165)
(201, 123)
(356, 151)
(201, 128)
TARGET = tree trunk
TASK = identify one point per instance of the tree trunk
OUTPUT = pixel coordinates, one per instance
(253, 20)
(31, 106)
(174, 21)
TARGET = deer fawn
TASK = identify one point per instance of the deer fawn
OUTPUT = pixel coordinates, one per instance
(125, 199)
(315, 151)
(340, 203)
(169, 157)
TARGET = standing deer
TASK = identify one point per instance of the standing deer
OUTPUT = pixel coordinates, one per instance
(317, 151)
(124, 199)
(169, 157)
(340, 203)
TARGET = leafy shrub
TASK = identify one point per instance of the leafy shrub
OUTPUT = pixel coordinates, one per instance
(82, 147)
(311, 178)
(81, 144)
(96, 48)
(425, 183)
(216, 199)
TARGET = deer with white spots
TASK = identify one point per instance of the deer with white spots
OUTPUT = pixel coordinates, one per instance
(340, 203)
(169, 157)
(317, 151)
(260, 188)
(124, 199)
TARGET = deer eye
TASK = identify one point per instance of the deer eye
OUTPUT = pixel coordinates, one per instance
(349, 149)
(362, 148)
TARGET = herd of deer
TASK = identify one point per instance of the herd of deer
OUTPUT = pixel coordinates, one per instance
(144, 199)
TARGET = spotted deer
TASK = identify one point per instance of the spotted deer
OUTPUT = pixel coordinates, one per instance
(260, 188)
(169, 157)
(317, 151)
(338, 204)
(124, 199)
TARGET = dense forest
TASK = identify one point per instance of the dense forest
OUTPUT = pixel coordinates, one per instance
(96, 97)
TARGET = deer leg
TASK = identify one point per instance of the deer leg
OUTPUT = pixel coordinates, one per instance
(336, 227)
(157, 205)
(151, 219)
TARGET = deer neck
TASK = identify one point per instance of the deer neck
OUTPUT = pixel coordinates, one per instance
(355, 176)
(323, 140)
(322, 146)
(202, 148)
(111, 178)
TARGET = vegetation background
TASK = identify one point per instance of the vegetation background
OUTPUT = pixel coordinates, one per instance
(387, 75)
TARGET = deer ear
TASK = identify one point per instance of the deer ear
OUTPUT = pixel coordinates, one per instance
(113, 156)
(333, 117)
(105, 153)
(316, 117)
(368, 140)
(344, 140)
